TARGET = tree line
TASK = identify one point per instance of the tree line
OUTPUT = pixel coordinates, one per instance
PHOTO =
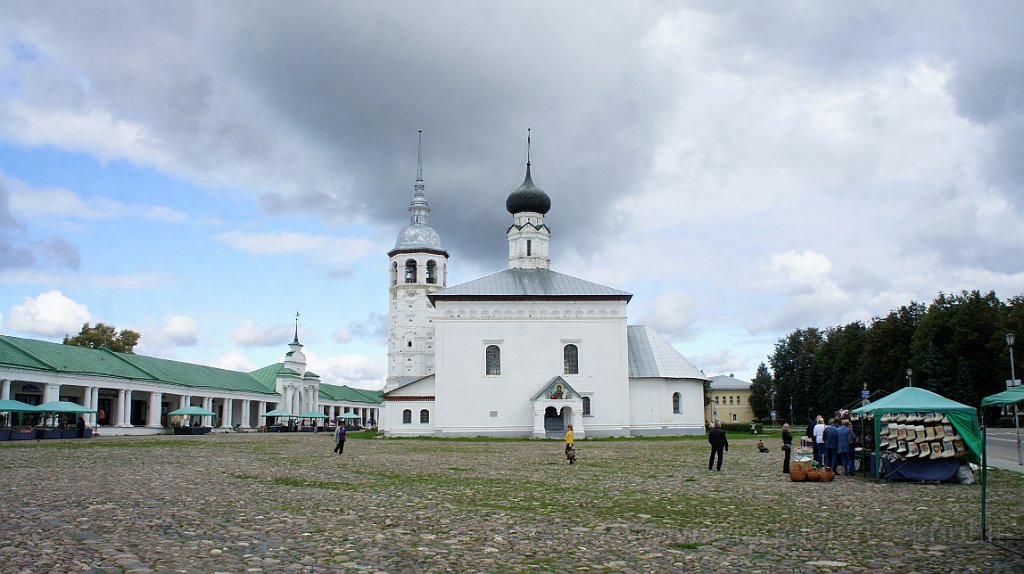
(955, 346)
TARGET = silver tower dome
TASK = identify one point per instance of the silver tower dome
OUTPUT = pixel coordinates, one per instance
(419, 235)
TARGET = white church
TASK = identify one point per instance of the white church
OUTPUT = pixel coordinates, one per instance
(526, 351)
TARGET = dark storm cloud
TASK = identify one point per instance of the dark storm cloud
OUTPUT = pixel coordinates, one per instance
(228, 87)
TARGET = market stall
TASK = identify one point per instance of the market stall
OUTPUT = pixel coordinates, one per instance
(921, 435)
(1008, 398)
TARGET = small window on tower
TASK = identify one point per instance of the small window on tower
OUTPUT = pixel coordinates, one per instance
(408, 344)
(394, 273)
(529, 247)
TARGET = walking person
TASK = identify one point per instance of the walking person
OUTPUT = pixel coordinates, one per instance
(570, 449)
(845, 437)
(80, 427)
(787, 447)
(718, 442)
(339, 439)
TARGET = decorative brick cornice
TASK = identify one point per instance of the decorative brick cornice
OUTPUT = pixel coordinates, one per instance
(409, 398)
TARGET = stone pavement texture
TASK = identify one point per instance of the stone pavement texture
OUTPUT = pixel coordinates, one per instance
(284, 503)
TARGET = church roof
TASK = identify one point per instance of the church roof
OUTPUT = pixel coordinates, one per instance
(651, 356)
(529, 284)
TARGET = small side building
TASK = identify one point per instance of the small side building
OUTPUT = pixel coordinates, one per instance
(730, 401)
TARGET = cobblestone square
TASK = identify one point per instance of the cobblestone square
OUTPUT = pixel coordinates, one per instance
(284, 503)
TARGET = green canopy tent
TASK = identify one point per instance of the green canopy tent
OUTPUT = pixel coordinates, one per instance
(350, 416)
(12, 406)
(277, 413)
(1007, 398)
(191, 411)
(63, 407)
(313, 415)
(913, 400)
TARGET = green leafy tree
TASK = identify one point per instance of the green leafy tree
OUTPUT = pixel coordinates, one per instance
(103, 336)
(762, 389)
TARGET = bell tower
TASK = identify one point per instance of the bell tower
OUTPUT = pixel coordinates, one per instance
(418, 266)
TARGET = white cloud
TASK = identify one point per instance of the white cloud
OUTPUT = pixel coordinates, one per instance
(130, 281)
(249, 334)
(324, 249)
(234, 361)
(94, 131)
(343, 336)
(671, 314)
(807, 268)
(721, 362)
(180, 330)
(43, 203)
(51, 314)
(357, 371)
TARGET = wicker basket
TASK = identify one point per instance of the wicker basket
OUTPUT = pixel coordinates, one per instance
(813, 475)
(798, 473)
(827, 475)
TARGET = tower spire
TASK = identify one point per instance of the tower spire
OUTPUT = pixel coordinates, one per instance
(296, 327)
(529, 144)
(419, 158)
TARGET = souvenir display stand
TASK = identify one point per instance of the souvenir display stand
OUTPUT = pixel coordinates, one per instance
(922, 436)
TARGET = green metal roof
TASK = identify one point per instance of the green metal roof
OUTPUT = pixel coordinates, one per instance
(346, 393)
(39, 355)
(54, 357)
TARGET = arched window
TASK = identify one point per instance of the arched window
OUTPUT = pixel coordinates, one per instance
(716, 400)
(424, 416)
(394, 273)
(586, 406)
(406, 417)
(675, 403)
(571, 357)
(492, 358)
(431, 271)
(730, 399)
(410, 271)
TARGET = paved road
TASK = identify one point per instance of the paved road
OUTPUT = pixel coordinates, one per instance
(1002, 448)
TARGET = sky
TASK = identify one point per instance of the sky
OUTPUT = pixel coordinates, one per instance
(200, 172)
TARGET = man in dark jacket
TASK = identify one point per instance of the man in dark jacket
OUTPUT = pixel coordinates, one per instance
(718, 442)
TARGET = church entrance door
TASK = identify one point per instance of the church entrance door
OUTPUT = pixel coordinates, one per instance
(553, 423)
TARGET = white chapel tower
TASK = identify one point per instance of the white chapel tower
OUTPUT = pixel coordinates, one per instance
(528, 237)
(419, 267)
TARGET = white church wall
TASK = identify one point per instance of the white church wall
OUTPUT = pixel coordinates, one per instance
(391, 421)
(651, 408)
(531, 336)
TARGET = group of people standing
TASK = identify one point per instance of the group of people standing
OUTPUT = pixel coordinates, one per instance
(833, 443)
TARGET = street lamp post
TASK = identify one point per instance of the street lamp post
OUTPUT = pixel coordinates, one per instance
(910, 381)
(1010, 337)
